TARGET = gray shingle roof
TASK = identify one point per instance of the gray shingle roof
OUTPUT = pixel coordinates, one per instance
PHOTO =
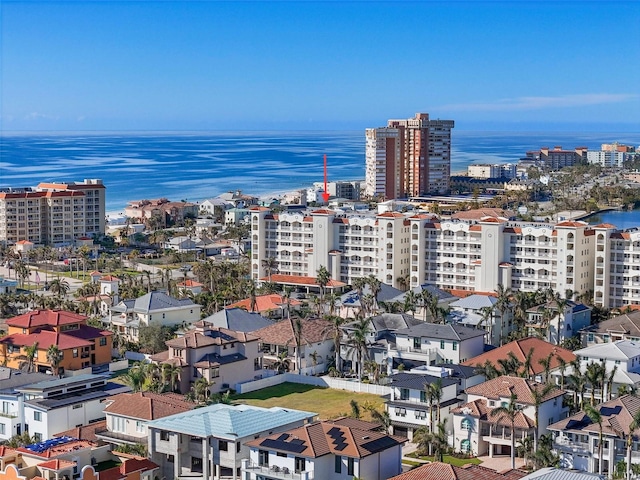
(11, 379)
(159, 301)
(442, 332)
(393, 321)
(239, 320)
(387, 293)
(459, 371)
(475, 302)
(416, 381)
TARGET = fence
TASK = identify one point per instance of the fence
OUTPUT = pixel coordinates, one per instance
(326, 382)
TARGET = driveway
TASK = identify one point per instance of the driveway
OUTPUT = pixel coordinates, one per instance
(500, 463)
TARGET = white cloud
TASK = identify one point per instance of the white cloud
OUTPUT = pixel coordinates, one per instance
(40, 116)
(537, 103)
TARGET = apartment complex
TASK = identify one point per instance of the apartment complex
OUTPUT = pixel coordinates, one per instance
(408, 157)
(556, 158)
(52, 213)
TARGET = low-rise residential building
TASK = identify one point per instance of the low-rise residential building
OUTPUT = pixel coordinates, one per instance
(272, 305)
(58, 404)
(223, 357)
(445, 471)
(531, 353)
(160, 213)
(238, 319)
(127, 415)
(432, 343)
(410, 406)
(575, 438)
(157, 308)
(211, 441)
(620, 327)
(80, 345)
(350, 305)
(280, 341)
(12, 401)
(555, 326)
(478, 432)
(327, 450)
(479, 311)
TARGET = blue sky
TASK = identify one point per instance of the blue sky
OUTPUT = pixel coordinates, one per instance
(126, 65)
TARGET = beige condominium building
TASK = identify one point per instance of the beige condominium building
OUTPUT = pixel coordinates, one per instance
(52, 213)
(408, 157)
(469, 255)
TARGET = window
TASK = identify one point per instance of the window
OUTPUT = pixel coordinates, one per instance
(103, 341)
(77, 406)
(454, 345)
(299, 465)
(196, 464)
(404, 394)
(2, 429)
(350, 463)
(37, 437)
(139, 426)
(119, 424)
(75, 353)
(416, 342)
(37, 416)
(423, 396)
(238, 447)
(466, 424)
(465, 446)
(263, 458)
(441, 344)
(5, 407)
(215, 372)
(223, 446)
(171, 458)
(338, 464)
(164, 435)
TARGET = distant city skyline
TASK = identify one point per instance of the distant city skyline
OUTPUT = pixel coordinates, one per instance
(207, 65)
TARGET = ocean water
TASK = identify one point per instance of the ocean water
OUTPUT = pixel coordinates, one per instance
(200, 165)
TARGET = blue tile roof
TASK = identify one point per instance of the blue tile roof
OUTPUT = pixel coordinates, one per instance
(230, 421)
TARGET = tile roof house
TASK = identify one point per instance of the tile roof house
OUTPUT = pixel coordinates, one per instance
(271, 305)
(238, 319)
(432, 343)
(621, 327)
(127, 415)
(211, 441)
(81, 345)
(521, 348)
(325, 450)
(445, 471)
(576, 438)
(217, 354)
(553, 473)
(156, 308)
(316, 347)
(478, 432)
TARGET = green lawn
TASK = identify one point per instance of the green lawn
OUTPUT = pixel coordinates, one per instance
(327, 402)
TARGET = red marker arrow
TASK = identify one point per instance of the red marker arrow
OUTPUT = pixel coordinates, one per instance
(325, 195)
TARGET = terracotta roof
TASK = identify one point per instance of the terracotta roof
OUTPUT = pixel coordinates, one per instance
(58, 450)
(322, 438)
(109, 278)
(301, 280)
(41, 318)
(502, 387)
(6, 451)
(604, 225)
(56, 464)
(322, 211)
(569, 223)
(85, 432)
(617, 416)
(137, 464)
(147, 405)
(520, 349)
(265, 303)
(46, 338)
(444, 471)
(281, 333)
(391, 215)
(190, 283)
(481, 213)
(215, 336)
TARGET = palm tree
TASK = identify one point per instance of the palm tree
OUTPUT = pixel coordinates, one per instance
(511, 412)
(594, 415)
(436, 440)
(296, 326)
(635, 424)
(594, 377)
(30, 352)
(383, 418)
(59, 287)
(270, 266)
(323, 277)
(578, 383)
(334, 329)
(488, 370)
(202, 389)
(546, 365)
(135, 377)
(503, 304)
(562, 366)
(526, 448)
(282, 363)
(358, 343)
(375, 285)
(54, 357)
(610, 378)
(539, 394)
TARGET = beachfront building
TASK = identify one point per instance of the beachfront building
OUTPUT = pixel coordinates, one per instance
(52, 213)
(491, 170)
(556, 158)
(211, 442)
(620, 327)
(462, 254)
(408, 157)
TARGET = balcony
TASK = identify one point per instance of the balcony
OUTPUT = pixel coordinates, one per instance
(9, 414)
(275, 471)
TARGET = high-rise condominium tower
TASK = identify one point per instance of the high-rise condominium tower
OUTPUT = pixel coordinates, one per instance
(408, 157)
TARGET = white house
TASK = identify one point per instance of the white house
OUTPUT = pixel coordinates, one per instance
(620, 327)
(478, 432)
(479, 311)
(555, 326)
(331, 450)
(210, 442)
(432, 343)
(409, 406)
(56, 405)
(155, 308)
(12, 401)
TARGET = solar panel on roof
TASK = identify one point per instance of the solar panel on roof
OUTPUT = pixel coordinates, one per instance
(341, 446)
(297, 441)
(281, 445)
(283, 437)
